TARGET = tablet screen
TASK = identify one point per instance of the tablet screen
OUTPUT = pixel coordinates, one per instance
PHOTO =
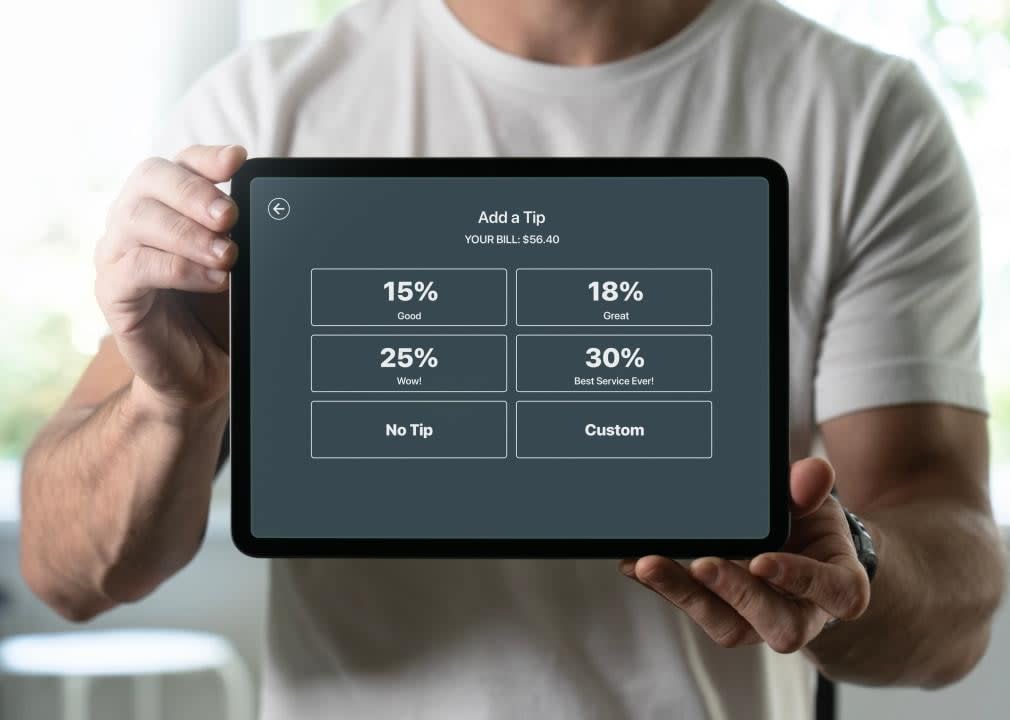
(506, 357)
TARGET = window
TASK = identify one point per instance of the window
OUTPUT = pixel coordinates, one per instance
(83, 115)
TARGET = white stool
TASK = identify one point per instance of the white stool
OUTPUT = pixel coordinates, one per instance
(79, 658)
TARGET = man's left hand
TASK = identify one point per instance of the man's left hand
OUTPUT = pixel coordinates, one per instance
(781, 598)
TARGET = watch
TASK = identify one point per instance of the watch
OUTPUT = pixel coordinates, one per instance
(865, 552)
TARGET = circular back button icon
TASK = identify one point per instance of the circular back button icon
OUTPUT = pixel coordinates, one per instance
(278, 208)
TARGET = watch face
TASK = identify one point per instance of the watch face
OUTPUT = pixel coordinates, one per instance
(863, 542)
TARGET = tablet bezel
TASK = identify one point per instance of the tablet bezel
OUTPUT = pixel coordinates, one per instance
(778, 265)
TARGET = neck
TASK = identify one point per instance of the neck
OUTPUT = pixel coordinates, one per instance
(575, 32)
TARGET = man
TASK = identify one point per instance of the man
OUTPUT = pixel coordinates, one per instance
(884, 362)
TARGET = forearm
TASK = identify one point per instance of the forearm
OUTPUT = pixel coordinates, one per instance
(115, 500)
(941, 576)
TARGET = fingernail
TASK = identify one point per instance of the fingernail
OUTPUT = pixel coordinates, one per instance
(226, 148)
(219, 247)
(216, 276)
(219, 207)
(627, 567)
(706, 571)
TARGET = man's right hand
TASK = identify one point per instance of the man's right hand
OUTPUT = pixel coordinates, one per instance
(116, 487)
(162, 267)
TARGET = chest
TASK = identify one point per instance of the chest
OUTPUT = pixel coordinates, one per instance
(443, 117)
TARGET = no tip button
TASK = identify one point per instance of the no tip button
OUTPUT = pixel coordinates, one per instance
(279, 209)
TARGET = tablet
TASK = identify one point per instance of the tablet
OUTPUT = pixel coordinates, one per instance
(563, 357)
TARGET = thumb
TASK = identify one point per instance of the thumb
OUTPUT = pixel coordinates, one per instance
(810, 483)
(217, 163)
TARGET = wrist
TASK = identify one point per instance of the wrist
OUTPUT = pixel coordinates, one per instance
(144, 404)
(157, 490)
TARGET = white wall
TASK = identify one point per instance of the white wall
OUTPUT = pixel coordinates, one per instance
(195, 34)
(223, 591)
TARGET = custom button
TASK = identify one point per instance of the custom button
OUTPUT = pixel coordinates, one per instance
(661, 429)
(408, 363)
(425, 429)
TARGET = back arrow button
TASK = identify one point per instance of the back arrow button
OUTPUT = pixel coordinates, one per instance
(278, 208)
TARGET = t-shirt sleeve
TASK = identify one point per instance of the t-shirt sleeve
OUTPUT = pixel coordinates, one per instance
(902, 316)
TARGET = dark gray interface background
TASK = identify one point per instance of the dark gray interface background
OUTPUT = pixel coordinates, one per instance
(603, 223)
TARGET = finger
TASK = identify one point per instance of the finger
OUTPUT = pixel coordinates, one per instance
(785, 624)
(840, 588)
(810, 483)
(156, 225)
(217, 163)
(144, 268)
(184, 191)
(673, 582)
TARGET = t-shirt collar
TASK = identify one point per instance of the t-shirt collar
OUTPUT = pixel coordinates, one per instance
(564, 79)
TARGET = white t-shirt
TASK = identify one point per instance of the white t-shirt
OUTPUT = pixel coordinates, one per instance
(884, 306)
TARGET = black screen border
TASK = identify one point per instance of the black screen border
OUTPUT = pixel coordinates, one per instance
(241, 500)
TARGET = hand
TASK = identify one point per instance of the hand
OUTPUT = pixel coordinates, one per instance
(162, 269)
(781, 598)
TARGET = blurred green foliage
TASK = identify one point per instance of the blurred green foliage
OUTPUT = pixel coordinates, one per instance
(976, 28)
(39, 367)
(999, 427)
(324, 9)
